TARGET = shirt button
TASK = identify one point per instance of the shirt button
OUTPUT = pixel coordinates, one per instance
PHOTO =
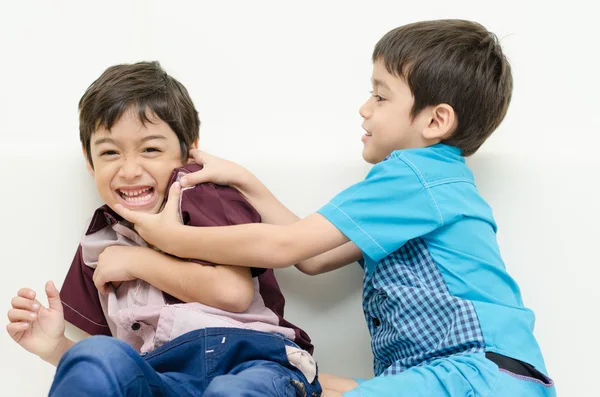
(376, 322)
(135, 326)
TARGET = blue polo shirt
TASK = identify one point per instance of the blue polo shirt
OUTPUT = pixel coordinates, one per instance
(435, 284)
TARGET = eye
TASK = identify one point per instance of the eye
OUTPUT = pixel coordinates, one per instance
(378, 98)
(108, 153)
(152, 150)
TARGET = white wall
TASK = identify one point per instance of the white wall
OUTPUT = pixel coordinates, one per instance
(278, 87)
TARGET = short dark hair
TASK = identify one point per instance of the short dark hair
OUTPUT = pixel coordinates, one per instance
(456, 62)
(150, 90)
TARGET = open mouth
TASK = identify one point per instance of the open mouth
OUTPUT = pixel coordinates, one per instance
(366, 136)
(135, 197)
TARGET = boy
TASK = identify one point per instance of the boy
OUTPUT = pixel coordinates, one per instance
(229, 338)
(444, 316)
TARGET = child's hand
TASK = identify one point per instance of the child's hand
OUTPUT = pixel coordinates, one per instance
(116, 264)
(216, 170)
(37, 329)
(159, 230)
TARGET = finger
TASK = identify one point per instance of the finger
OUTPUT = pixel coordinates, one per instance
(196, 178)
(14, 329)
(26, 293)
(96, 278)
(131, 216)
(19, 302)
(53, 295)
(103, 289)
(16, 315)
(198, 155)
(172, 204)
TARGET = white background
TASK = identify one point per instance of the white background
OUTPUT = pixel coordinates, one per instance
(278, 86)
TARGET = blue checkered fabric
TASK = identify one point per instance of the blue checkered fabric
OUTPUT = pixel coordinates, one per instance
(411, 315)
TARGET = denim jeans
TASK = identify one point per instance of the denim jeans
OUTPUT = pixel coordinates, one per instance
(210, 362)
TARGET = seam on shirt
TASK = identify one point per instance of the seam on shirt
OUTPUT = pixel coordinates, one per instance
(221, 204)
(450, 180)
(493, 388)
(423, 183)
(358, 226)
(84, 317)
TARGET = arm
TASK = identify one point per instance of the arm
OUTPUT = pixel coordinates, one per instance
(268, 206)
(227, 288)
(254, 245)
(336, 385)
(38, 329)
(274, 212)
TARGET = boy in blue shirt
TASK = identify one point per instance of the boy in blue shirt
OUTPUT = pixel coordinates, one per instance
(445, 317)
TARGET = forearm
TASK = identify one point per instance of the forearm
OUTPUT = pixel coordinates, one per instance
(331, 260)
(271, 210)
(274, 212)
(257, 245)
(226, 288)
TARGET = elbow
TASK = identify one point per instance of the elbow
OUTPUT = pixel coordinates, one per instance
(308, 269)
(281, 254)
(236, 298)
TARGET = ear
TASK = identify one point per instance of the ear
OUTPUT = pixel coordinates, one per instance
(89, 165)
(194, 145)
(442, 122)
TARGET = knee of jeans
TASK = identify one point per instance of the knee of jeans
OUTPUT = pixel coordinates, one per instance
(98, 348)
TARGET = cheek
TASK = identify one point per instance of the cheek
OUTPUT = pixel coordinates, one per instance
(104, 184)
(161, 173)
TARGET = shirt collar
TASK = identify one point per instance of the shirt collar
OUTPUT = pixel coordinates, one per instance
(103, 217)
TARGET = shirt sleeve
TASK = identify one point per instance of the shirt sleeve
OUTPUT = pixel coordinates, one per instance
(208, 204)
(79, 296)
(390, 207)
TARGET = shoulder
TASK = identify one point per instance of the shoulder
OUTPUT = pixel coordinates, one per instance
(434, 165)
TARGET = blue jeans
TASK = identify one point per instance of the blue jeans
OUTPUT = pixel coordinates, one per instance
(210, 362)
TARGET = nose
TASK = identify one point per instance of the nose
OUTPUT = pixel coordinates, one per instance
(365, 109)
(130, 169)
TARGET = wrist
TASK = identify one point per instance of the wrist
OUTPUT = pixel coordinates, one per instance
(177, 242)
(134, 265)
(62, 346)
(245, 182)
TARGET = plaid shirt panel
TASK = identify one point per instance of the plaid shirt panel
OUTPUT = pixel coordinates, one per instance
(411, 315)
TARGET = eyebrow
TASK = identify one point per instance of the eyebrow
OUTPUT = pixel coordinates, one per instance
(380, 83)
(141, 140)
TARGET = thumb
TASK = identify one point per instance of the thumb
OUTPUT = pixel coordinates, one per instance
(172, 204)
(131, 216)
(54, 302)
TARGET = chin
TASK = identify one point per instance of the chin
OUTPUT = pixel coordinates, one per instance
(370, 158)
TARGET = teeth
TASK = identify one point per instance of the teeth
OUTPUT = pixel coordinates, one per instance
(133, 192)
(136, 199)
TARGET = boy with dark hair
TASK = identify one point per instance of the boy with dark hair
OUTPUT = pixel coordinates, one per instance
(445, 317)
(180, 328)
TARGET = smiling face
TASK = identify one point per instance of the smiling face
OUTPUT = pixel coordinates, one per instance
(387, 120)
(132, 162)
